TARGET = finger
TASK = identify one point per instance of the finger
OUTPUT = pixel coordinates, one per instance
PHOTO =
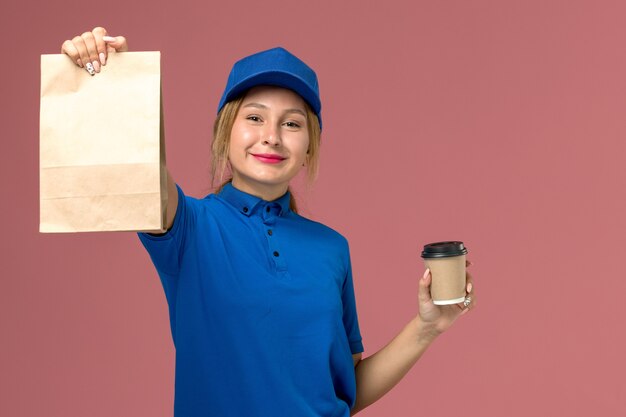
(83, 54)
(92, 49)
(99, 33)
(469, 287)
(469, 282)
(70, 50)
(118, 43)
(424, 288)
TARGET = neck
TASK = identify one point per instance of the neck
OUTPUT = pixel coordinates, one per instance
(267, 192)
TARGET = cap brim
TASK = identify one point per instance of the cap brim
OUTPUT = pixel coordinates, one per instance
(278, 79)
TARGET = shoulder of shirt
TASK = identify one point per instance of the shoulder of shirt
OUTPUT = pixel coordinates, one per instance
(207, 199)
(209, 203)
(322, 229)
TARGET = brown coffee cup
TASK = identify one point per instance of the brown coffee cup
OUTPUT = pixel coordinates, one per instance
(446, 261)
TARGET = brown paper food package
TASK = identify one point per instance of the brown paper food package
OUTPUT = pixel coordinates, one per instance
(102, 153)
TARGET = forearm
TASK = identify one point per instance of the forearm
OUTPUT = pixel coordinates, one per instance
(172, 201)
(377, 374)
(172, 205)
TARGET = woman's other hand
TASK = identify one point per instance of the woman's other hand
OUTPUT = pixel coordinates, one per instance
(438, 318)
(91, 49)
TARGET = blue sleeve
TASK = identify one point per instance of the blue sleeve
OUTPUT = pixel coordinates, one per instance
(166, 249)
(350, 318)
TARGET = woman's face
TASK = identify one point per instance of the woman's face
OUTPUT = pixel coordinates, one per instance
(268, 142)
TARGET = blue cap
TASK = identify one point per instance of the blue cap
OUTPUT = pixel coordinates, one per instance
(277, 67)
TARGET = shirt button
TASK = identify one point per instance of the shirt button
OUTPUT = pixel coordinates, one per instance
(245, 209)
(267, 209)
(276, 254)
(269, 232)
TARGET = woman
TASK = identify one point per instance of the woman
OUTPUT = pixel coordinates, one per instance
(261, 300)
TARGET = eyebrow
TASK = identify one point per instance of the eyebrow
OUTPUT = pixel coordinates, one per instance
(264, 107)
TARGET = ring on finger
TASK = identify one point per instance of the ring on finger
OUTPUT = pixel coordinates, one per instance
(467, 301)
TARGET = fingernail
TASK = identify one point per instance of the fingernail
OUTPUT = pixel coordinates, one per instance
(469, 287)
(426, 273)
(89, 68)
(79, 62)
(96, 66)
(103, 58)
(108, 38)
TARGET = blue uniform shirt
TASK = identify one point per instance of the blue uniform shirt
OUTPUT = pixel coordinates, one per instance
(262, 309)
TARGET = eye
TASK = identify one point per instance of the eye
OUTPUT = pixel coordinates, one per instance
(293, 125)
(254, 118)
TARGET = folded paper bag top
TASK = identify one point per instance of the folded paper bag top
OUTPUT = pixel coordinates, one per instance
(102, 156)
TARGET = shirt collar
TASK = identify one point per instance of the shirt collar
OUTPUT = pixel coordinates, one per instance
(247, 203)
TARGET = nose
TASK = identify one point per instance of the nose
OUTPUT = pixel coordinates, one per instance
(271, 136)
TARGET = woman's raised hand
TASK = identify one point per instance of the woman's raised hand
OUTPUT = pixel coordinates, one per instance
(91, 49)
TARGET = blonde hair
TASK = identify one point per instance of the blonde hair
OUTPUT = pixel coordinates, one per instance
(220, 146)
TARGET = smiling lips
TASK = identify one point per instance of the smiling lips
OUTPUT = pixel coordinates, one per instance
(269, 158)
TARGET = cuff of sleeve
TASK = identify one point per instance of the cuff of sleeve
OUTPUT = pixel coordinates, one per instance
(356, 346)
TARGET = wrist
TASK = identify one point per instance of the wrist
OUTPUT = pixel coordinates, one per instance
(425, 333)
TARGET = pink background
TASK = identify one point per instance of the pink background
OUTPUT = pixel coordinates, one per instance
(500, 123)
